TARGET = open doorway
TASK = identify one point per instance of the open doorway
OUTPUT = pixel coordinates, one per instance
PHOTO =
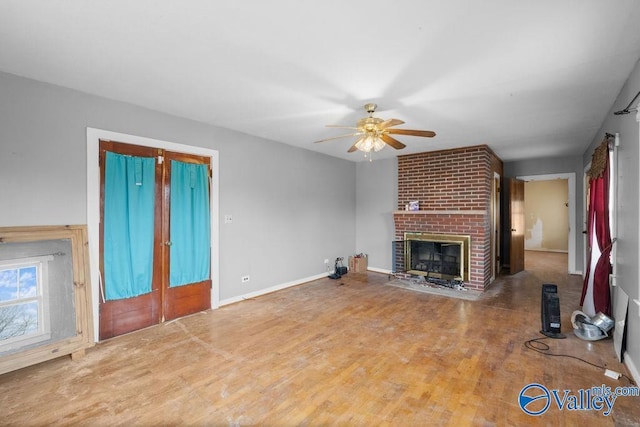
(550, 214)
(546, 210)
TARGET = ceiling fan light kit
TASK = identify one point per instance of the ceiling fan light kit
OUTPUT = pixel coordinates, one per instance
(375, 133)
(369, 143)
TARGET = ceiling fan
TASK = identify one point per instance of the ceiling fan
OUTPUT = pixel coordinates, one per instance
(374, 133)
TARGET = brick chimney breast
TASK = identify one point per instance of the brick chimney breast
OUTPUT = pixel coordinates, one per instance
(453, 188)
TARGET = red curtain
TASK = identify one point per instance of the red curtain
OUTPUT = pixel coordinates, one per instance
(598, 222)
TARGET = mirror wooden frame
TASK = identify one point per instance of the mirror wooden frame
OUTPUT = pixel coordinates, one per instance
(75, 345)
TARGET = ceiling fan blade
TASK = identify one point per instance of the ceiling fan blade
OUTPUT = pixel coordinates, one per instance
(341, 126)
(390, 122)
(392, 141)
(425, 133)
(338, 137)
(353, 147)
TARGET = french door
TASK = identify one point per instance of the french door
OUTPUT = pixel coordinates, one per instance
(154, 236)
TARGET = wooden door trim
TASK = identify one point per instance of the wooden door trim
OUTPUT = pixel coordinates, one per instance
(496, 186)
(516, 263)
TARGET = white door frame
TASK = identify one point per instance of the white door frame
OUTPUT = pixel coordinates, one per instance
(93, 207)
(571, 177)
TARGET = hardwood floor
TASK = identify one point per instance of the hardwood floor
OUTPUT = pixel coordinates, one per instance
(347, 352)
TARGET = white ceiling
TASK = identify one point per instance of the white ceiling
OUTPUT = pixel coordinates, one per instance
(528, 78)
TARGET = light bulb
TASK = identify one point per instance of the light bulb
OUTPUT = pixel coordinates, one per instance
(378, 144)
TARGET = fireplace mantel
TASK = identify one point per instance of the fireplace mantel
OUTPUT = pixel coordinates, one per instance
(443, 212)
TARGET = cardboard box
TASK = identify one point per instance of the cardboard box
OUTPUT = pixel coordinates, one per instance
(358, 265)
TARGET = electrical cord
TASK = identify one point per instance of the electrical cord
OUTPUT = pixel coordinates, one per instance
(538, 346)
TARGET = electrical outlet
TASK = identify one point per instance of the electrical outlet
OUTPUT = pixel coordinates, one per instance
(228, 219)
(245, 279)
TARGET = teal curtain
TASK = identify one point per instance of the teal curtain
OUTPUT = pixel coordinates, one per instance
(129, 189)
(190, 225)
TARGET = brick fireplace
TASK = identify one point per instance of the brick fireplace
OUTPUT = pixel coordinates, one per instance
(453, 189)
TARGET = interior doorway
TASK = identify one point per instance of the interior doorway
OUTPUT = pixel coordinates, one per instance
(547, 215)
(535, 226)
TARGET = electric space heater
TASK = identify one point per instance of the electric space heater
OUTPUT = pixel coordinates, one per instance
(550, 311)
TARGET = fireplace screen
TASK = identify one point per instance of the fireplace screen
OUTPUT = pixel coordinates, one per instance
(442, 256)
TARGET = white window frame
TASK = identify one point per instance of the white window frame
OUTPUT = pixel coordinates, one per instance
(43, 332)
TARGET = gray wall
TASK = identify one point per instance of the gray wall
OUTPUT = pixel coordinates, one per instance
(292, 208)
(557, 165)
(376, 199)
(628, 254)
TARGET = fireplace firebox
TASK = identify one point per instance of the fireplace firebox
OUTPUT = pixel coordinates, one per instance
(442, 256)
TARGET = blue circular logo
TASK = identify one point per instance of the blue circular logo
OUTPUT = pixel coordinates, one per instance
(534, 399)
